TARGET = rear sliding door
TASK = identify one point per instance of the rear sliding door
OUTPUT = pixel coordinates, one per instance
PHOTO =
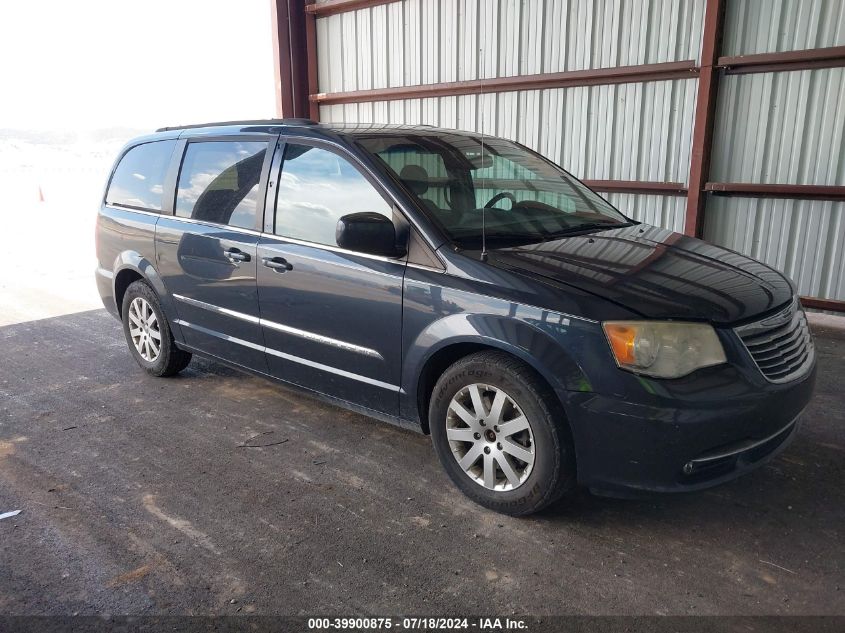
(207, 251)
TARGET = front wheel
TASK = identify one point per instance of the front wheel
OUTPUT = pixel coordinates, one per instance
(500, 434)
(148, 332)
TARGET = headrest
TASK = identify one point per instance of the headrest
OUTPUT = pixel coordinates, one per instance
(416, 178)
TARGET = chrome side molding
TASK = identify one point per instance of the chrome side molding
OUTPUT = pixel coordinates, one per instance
(279, 327)
(290, 357)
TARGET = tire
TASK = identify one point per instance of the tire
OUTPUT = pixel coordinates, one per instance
(148, 334)
(540, 458)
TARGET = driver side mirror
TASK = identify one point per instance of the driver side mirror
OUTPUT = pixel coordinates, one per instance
(368, 232)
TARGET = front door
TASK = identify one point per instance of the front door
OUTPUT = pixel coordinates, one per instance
(207, 252)
(331, 318)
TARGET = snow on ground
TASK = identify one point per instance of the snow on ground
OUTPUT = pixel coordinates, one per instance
(52, 184)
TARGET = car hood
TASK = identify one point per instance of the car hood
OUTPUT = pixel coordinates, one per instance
(656, 273)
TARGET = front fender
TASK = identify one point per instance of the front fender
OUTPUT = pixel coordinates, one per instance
(542, 340)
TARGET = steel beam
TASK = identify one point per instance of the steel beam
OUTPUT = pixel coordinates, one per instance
(756, 190)
(833, 305)
(705, 114)
(642, 187)
(311, 54)
(331, 7)
(290, 58)
(831, 57)
(568, 79)
(639, 187)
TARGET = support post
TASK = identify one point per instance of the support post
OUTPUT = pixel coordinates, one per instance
(290, 58)
(705, 114)
(311, 49)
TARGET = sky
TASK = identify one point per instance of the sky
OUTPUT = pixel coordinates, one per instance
(92, 64)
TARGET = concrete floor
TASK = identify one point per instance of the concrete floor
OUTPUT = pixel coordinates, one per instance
(138, 496)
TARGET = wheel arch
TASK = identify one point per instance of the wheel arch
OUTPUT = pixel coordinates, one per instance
(553, 367)
(131, 266)
(122, 280)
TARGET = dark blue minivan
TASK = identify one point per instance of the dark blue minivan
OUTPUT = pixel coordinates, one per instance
(460, 285)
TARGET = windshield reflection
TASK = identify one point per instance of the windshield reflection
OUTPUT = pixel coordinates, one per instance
(464, 182)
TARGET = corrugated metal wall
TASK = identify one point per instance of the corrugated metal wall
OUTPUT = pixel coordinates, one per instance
(803, 238)
(786, 128)
(770, 128)
(428, 41)
(769, 26)
(639, 131)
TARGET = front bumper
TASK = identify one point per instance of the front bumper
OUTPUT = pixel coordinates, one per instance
(677, 443)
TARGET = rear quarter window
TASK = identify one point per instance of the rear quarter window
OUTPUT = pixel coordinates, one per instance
(138, 180)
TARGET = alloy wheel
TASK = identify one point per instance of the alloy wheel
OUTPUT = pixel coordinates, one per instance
(144, 329)
(490, 437)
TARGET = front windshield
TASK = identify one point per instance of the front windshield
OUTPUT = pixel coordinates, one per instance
(524, 198)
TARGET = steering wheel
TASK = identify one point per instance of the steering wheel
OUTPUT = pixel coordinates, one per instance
(500, 196)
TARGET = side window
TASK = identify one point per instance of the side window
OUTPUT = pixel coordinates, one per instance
(218, 182)
(316, 188)
(138, 180)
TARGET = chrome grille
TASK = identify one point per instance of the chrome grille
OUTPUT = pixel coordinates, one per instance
(781, 345)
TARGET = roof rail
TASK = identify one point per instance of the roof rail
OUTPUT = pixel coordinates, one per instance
(296, 122)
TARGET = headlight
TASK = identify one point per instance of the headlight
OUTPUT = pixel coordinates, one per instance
(665, 349)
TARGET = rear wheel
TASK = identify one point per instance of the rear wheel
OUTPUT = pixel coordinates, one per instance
(148, 332)
(499, 433)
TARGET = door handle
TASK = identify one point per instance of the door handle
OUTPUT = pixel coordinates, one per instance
(236, 255)
(279, 264)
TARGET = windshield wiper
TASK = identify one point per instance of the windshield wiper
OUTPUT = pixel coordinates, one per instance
(583, 228)
(500, 241)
